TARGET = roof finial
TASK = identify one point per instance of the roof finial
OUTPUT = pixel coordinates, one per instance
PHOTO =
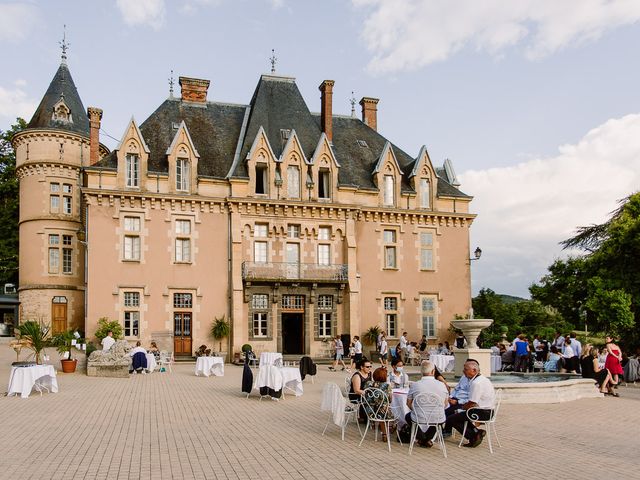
(64, 45)
(273, 60)
(352, 101)
(171, 83)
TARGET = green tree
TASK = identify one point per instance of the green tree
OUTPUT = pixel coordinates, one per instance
(9, 205)
(611, 308)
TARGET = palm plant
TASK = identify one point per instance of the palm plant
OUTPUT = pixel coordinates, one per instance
(63, 342)
(219, 330)
(35, 334)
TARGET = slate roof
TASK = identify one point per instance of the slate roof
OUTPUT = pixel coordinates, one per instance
(277, 104)
(62, 84)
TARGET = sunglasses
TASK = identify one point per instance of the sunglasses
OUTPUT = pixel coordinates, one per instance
(367, 366)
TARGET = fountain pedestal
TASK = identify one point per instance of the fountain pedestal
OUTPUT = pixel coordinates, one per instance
(471, 328)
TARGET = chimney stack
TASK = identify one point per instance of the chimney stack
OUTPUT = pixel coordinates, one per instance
(95, 116)
(370, 111)
(326, 108)
(194, 89)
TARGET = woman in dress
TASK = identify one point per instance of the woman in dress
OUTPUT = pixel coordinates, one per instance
(591, 369)
(358, 380)
(373, 405)
(614, 356)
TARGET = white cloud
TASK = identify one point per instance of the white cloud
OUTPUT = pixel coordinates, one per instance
(409, 34)
(143, 12)
(526, 209)
(15, 103)
(17, 21)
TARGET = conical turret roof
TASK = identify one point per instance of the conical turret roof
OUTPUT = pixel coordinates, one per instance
(62, 92)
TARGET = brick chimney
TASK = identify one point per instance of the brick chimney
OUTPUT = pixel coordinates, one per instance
(194, 89)
(95, 116)
(370, 111)
(326, 108)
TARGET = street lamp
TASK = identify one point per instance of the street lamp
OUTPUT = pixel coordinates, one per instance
(477, 253)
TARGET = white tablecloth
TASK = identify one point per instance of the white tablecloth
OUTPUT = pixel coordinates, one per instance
(399, 404)
(292, 380)
(208, 365)
(496, 363)
(445, 363)
(269, 376)
(151, 362)
(269, 358)
(22, 379)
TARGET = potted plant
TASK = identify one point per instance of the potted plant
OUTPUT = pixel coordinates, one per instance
(219, 330)
(63, 342)
(35, 336)
(370, 337)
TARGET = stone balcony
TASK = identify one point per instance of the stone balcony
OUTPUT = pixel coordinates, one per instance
(299, 272)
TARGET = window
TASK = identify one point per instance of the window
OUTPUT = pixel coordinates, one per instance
(262, 179)
(66, 205)
(324, 233)
(182, 300)
(54, 253)
(183, 245)
(428, 305)
(66, 254)
(323, 184)
(426, 251)
(389, 239)
(260, 301)
(132, 170)
(362, 143)
(324, 254)
(131, 299)
(293, 231)
(55, 187)
(293, 181)
(425, 193)
(293, 302)
(131, 324)
(182, 174)
(183, 227)
(54, 239)
(324, 324)
(131, 241)
(260, 247)
(54, 198)
(260, 230)
(67, 188)
(389, 197)
(325, 302)
(391, 315)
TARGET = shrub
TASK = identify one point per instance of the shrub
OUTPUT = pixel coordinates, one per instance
(105, 325)
(246, 348)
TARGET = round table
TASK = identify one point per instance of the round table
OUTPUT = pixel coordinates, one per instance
(151, 362)
(269, 358)
(210, 365)
(399, 405)
(445, 363)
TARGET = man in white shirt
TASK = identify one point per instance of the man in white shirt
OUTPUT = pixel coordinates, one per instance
(403, 347)
(357, 351)
(427, 413)
(108, 341)
(577, 349)
(139, 355)
(481, 400)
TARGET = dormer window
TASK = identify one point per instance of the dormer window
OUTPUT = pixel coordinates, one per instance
(324, 177)
(132, 170)
(262, 179)
(425, 193)
(293, 181)
(61, 112)
(389, 197)
(182, 174)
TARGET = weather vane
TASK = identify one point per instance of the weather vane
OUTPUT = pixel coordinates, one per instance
(273, 61)
(64, 45)
(171, 82)
(352, 101)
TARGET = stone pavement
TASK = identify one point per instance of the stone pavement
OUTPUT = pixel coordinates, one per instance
(176, 425)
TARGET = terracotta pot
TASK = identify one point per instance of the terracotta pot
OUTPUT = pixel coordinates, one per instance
(69, 366)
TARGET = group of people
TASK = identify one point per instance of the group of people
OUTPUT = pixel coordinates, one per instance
(137, 353)
(474, 391)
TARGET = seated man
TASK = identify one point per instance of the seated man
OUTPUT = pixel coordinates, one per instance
(108, 341)
(139, 361)
(481, 400)
(459, 396)
(428, 384)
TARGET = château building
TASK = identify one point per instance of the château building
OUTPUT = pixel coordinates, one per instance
(293, 225)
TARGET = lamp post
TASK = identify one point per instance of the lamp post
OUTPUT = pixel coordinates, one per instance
(477, 253)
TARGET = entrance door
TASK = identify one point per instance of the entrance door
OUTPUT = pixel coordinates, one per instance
(293, 333)
(293, 260)
(182, 334)
(59, 315)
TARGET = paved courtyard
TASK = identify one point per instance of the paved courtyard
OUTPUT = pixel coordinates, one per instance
(176, 425)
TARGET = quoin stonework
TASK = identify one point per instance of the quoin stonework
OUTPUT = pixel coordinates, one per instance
(295, 226)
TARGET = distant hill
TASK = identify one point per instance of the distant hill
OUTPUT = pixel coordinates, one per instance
(510, 299)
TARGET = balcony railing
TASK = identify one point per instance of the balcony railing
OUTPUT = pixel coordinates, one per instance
(294, 271)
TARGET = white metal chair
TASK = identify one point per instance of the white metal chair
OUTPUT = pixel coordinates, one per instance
(428, 407)
(338, 407)
(376, 406)
(490, 423)
(166, 360)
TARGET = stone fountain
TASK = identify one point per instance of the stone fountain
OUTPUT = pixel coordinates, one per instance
(471, 328)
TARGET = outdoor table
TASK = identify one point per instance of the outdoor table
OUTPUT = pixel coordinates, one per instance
(496, 363)
(445, 363)
(151, 362)
(270, 377)
(269, 358)
(399, 405)
(23, 379)
(292, 380)
(210, 365)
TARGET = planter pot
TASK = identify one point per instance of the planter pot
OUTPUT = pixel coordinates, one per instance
(69, 366)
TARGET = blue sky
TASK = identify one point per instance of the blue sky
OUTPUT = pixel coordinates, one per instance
(535, 101)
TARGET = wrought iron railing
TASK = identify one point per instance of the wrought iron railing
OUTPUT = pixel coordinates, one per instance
(294, 271)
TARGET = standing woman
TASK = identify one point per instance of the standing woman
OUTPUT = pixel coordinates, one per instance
(384, 350)
(614, 356)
